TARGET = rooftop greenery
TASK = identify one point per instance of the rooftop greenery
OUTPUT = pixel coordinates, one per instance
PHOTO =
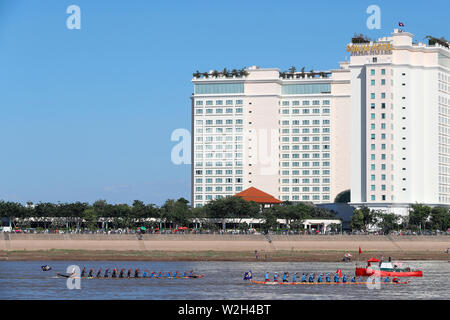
(225, 73)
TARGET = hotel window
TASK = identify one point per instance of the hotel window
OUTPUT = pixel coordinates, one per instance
(383, 105)
(372, 82)
(383, 156)
(326, 110)
(238, 121)
(229, 102)
(372, 187)
(209, 102)
(285, 103)
(285, 111)
(295, 111)
(383, 197)
(219, 121)
(372, 177)
(372, 157)
(383, 187)
(219, 102)
(305, 111)
(372, 146)
(383, 166)
(326, 102)
(372, 126)
(372, 167)
(238, 101)
(316, 102)
(372, 106)
(372, 116)
(295, 103)
(219, 110)
(383, 136)
(383, 95)
(229, 121)
(229, 110)
(238, 110)
(383, 147)
(372, 72)
(198, 103)
(383, 71)
(383, 116)
(372, 136)
(374, 59)
(305, 122)
(372, 95)
(383, 177)
(383, 82)
(305, 103)
(372, 197)
(209, 110)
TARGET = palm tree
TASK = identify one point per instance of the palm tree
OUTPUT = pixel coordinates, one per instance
(225, 72)
(243, 72)
(303, 72)
(292, 69)
(197, 74)
(311, 73)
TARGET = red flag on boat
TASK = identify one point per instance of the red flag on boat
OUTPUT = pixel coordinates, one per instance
(339, 272)
(360, 251)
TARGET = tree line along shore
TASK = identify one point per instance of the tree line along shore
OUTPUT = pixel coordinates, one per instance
(175, 213)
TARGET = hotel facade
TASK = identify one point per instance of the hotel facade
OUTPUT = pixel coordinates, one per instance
(378, 125)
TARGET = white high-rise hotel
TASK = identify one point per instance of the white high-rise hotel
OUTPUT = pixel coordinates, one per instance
(378, 125)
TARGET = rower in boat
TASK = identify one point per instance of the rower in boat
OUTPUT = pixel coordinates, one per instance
(168, 275)
(319, 279)
(114, 273)
(327, 277)
(344, 278)
(266, 277)
(136, 273)
(386, 279)
(353, 279)
(275, 277)
(294, 277)
(91, 273)
(145, 273)
(183, 275)
(129, 273)
(83, 272)
(336, 277)
(285, 277)
(152, 274)
(303, 277)
(160, 274)
(99, 273)
(360, 279)
(395, 280)
(311, 277)
(106, 273)
(121, 274)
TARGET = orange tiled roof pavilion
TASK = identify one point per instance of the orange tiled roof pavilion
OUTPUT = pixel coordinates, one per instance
(253, 194)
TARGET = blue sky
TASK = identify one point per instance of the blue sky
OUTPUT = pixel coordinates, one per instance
(87, 114)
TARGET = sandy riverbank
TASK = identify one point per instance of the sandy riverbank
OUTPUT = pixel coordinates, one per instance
(219, 247)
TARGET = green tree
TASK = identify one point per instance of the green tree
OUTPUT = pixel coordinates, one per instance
(440, 218)
(418, 216)
(388, 222)
(362, 218)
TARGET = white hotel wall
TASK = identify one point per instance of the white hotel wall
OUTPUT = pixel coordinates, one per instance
(415, 120)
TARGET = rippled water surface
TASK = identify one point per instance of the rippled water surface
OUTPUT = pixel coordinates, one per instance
(223, 280)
